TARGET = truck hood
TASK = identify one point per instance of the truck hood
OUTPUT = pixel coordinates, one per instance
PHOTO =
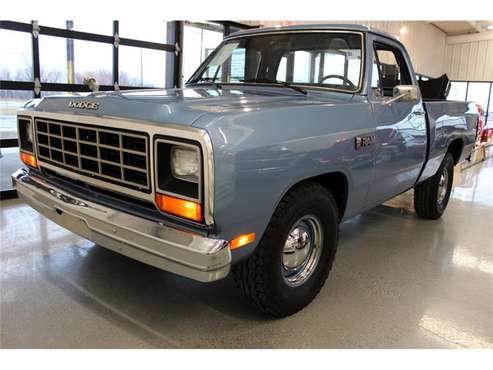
(184, 106)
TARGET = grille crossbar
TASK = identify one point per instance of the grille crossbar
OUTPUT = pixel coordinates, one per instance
(110, 154)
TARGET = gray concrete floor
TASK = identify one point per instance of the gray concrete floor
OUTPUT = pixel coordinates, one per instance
(398, 281)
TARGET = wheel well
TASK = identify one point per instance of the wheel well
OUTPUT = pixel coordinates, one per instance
(455, 148)
(336, 183)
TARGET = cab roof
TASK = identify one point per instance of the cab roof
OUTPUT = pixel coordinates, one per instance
(305, 27)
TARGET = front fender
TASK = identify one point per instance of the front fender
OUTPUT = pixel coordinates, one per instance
(258, 157)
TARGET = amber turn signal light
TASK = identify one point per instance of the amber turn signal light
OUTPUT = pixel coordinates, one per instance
(179, 207)
(241, 240)
(29, 159)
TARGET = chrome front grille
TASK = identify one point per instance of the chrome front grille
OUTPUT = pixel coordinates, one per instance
(108, 154)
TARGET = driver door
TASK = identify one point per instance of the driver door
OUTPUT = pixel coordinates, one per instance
(400, 125)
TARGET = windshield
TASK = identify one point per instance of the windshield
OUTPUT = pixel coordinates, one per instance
(311, 59)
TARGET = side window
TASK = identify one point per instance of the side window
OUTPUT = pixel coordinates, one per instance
(237, 65)
(281, 69)
(335, 64)
(233, 64)
(375, 77)
(302, 62)
(391, 70)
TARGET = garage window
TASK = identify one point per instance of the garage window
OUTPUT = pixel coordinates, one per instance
(58, 59)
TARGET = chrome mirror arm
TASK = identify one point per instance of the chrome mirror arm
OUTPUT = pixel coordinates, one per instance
(395, 98)
(409, 92)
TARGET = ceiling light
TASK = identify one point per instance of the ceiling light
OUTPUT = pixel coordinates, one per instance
(403, 30)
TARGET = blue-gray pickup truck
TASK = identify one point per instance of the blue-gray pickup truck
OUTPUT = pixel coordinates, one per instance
(278, 137)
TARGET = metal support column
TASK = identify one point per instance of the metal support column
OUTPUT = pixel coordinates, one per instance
(70, 55)
(116, 65)
(36, 67)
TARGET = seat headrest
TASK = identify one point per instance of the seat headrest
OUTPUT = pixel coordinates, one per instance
(390, 71)
(338, 43)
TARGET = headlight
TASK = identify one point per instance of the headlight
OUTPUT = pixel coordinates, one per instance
(178, 178)
(185, 163)
(25, 129)
(29, 132)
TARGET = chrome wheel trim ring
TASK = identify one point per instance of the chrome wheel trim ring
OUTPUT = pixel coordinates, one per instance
(442, 186)
(302, 250)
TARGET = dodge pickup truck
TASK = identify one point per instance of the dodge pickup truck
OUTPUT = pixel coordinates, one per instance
(278, 137)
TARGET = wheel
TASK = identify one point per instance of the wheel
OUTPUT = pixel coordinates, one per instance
(432, 195)
(294, 256)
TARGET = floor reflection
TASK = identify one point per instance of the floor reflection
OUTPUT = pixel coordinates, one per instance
(398, 281)
(452, 334)
(469, 187)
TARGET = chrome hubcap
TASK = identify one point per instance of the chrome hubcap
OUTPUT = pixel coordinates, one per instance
(442, 186)
(302, 250)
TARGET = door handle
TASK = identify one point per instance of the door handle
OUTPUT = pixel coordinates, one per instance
(418, 113)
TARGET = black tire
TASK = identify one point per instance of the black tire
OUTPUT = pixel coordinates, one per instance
(260, 277)
(427, 202)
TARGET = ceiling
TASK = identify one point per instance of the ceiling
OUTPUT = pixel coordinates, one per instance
(455, 28)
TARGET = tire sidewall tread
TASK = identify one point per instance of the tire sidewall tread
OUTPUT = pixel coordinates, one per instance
(259, 277)
(426, 193)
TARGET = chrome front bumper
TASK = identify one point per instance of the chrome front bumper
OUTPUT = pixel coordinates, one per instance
(186, 254)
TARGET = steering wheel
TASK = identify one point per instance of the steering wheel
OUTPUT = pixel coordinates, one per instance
(344, 79)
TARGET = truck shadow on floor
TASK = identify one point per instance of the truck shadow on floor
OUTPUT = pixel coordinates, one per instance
(166, 310)
(160, 308)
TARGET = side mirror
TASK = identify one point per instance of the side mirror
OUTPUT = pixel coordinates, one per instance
(404, 93)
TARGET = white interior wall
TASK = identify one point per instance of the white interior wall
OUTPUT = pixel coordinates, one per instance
(469, 59)
(424, 42)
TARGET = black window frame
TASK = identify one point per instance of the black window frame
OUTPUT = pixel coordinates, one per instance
(174, 58)
(35, 30)
(37, 87)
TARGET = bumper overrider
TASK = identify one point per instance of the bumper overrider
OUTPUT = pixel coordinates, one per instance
(183, 253)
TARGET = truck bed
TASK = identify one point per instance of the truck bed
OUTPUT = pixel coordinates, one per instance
(448, 121)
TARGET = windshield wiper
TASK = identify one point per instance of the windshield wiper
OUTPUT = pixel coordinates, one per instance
(276, 82)
(207, 81)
